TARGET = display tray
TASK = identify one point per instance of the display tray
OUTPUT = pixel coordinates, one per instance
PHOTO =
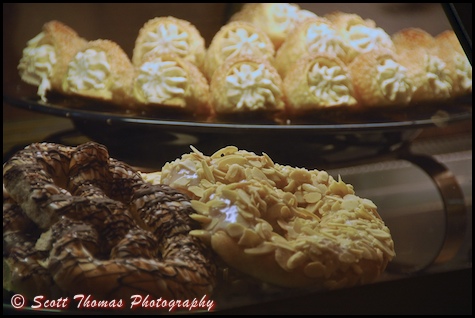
(332, 136)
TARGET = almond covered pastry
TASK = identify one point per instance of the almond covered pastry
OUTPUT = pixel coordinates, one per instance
(234, 39)
(427, 71)
(46, 56)
(169, 35)
(450, 51)
(318, 81)
(101, 70)
(380, 80)
(314, 35)
(362, 34)
(168, 80)
(277, 20)
(246, 84)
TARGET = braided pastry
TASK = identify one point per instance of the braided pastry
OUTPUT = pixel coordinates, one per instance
(288, 226)
(77, 221)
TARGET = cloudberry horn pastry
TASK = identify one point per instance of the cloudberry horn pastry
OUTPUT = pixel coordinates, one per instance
(449, 50)
(46, 56)
(362, 34)
(101, 70)
(287, 226)
(234, 39)
(166, 80)
(318, 81)
(380, 80)
(169, 35)
(428, 72)
(246, 85)
(277, 20)
(314, 35)
(99, 228)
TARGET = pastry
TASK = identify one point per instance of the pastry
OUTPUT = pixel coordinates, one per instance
(246, 85)
(44, 60)
(314, 35)
(98, 229)
(277, 20)
(380, 80)
(317, 81)
(427, 72)
(362, 34)
(284, 225)
(234, 39)
(450, 51)
(169, 35)
(168, 81)
(101, 70)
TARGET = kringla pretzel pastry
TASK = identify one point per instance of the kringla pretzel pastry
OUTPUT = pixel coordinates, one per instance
(76, 221)
(234, 39)
(284, 225)
(450, 51)
(318, 81)
(277, 20)
(313, 35)
(246, 85)
(169, 35)
(166, 80)
(362, 34)
(102, 71)
(380, 80)
(45, 58)
(428, 72)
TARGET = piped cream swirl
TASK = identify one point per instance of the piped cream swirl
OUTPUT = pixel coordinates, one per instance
(393, 81)
(167, 38)
(37, 63)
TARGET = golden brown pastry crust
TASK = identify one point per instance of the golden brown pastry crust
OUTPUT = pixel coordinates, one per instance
(448, 49)
(246, 84)
(169, 35)
(64, 41)
(102, 71)
(318, 81)
(277, 20)
(234, 39)
(311, 36)
(168, 81)
(380, 80)
(428, 73)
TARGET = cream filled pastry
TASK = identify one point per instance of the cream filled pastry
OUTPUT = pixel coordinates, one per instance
(427, 71)
(277, 20)
(362, 34)
(450, 51)
(318, 81)
(314, 35)
(101, 70)
(246, 84)
(234, 39)
(380, 80)
(169, 35)
(168, 80)
(45, 58)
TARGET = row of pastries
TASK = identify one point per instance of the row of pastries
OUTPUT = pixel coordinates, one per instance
(274, 59)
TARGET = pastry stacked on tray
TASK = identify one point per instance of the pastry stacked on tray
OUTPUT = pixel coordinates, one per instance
(271, 60)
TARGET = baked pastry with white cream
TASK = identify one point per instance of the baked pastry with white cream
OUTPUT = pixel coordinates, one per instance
(45, 58)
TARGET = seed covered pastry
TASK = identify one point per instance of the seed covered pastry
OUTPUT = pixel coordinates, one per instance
(234, 39)
(101, 70)
(246, 84)
(169, 35)
(380, 80)
(170, 81)
(46, 56)
(277, 20)
(318, 81)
